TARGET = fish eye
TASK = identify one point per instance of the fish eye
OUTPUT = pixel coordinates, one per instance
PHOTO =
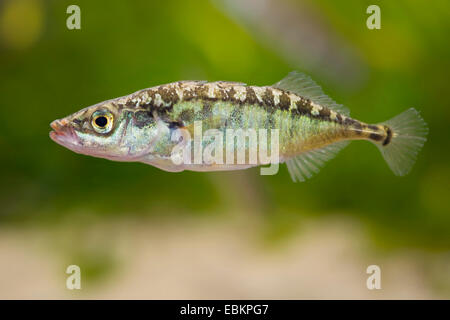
(102, 121)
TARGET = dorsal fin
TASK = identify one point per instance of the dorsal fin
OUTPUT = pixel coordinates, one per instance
(304, 86)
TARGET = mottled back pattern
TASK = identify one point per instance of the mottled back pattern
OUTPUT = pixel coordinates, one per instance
(163, 98)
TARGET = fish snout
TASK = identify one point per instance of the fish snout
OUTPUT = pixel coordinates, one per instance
(63, 132)
(59, 124)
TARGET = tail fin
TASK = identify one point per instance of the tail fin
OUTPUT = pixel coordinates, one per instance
(407, 135)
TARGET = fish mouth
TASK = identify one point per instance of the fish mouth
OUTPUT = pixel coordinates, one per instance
(63, 133)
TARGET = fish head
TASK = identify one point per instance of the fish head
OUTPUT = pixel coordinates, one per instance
(97, 131)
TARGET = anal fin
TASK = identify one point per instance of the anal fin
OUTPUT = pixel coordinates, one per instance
(305, 165)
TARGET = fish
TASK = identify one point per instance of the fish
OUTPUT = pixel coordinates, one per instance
(310, 128)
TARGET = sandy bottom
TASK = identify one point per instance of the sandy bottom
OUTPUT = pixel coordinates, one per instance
(214, 259)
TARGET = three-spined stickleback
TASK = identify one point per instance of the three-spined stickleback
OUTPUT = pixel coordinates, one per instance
(310, 127)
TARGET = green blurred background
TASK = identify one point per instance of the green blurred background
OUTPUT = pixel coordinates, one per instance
(48, 72)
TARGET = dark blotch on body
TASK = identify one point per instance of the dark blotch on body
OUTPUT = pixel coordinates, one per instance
(352, 122)
(202, 92)
(325, 113)
(188, 94)
(175, 124)
(78, 122)
(250, 97)
(168, 94)
(268, 99)
(231, 94)
(389, 136)
(142, 118)
(376, 136)
(285, 101)
(303, 107)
